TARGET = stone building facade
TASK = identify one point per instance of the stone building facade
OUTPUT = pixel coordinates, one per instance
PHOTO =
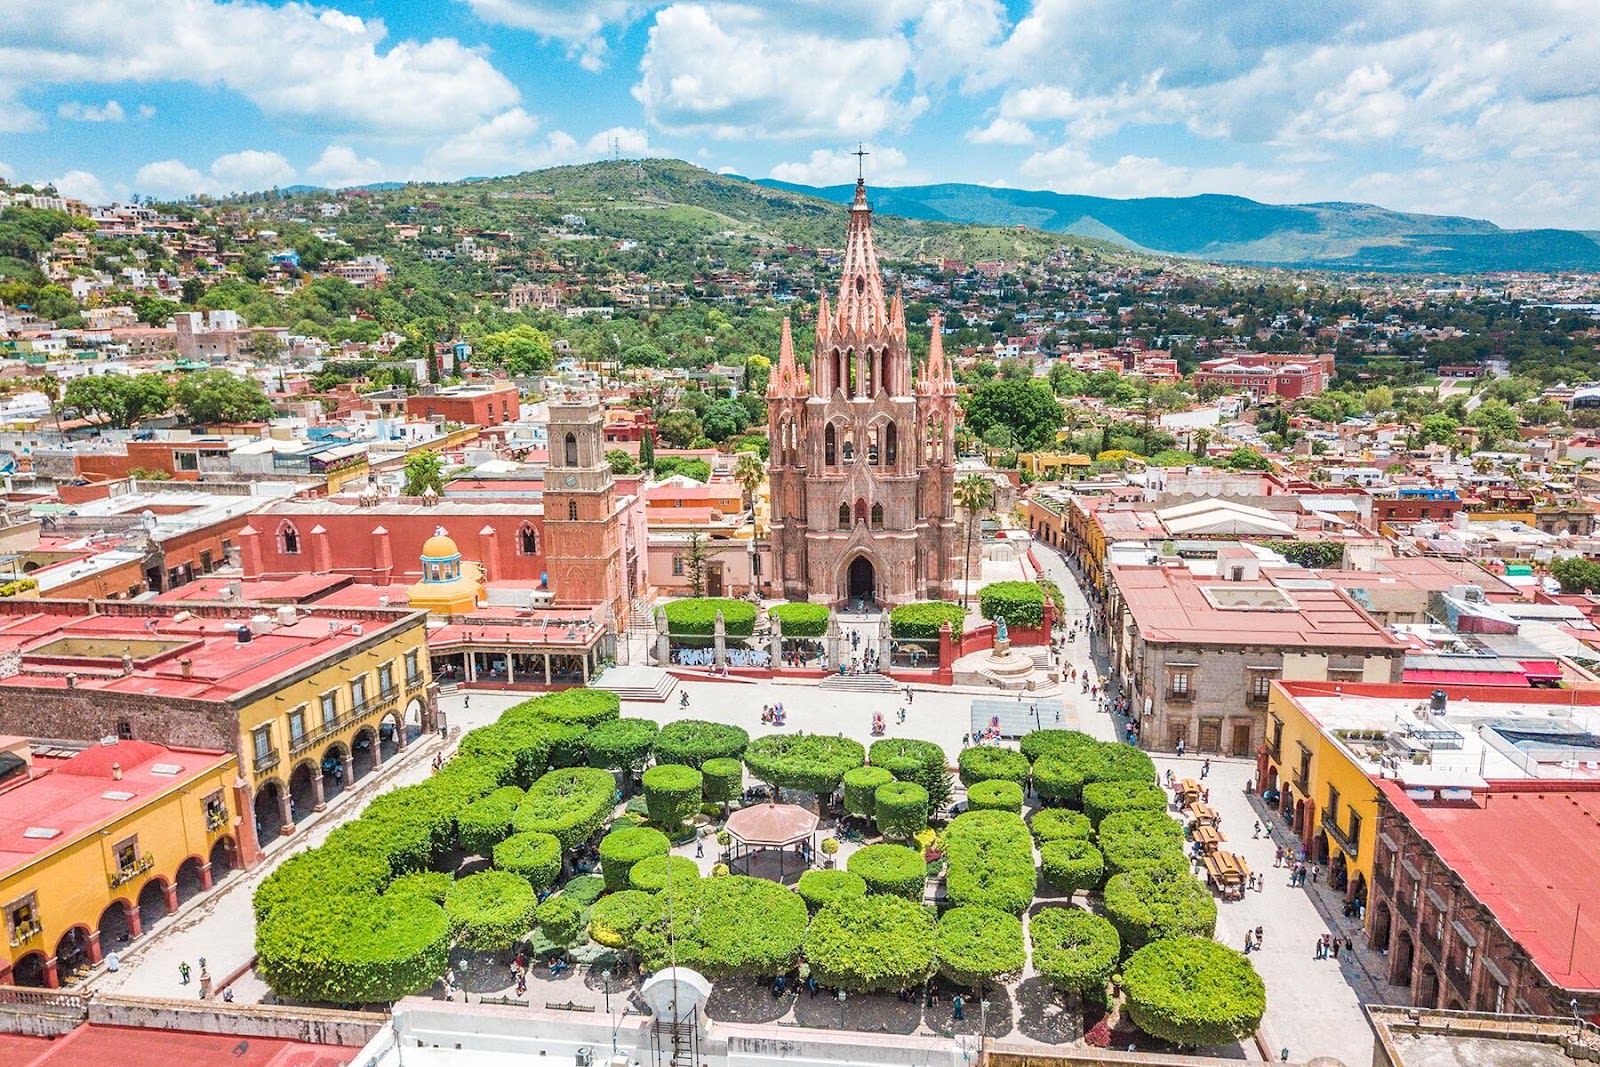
(582, 515)
(862, 466)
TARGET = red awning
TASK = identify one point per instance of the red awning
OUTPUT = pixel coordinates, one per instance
(1541, 669)
(1497, 678)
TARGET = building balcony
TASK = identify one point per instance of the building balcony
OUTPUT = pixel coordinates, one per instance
(311, 737)
(132, 871)
(1275, 752)
(1405, 909)
(1331, 824)
(375, 705)
(1185, 697)
(266, 761)
(1431, 944)
(414, 681)
(1302, 782)
(25, 932)
(1461, 982)
(216, 819)
(1382, 881)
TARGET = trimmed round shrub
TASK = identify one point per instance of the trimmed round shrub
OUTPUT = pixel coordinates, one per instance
(1132, 839)
(621, 744)
(1036, 743)
(532, 855)
(1019, 603)
(880, 943)
(616, 917)
(1193, 992)
(723, 779)
(346, 949)
(1059, 824)
(978, 946)
(996, 794)
(861, 789)
(813, 763)
(571, 804)
(672, 793)
(320, 874)
(462, 781)
(920, 622)
(892, 869)
(801, 620)
(622, 848)
(989, 861)
(1074, 949)
(520, 751)
(1155, 903)
(404, 843)
(692, 622)
(1058, 779)
(652, 875)
(922, 762)
(1102, 798)
(576, 707)
(487, 821)
(985, 763)
(690, 742)
(821, 888)
(726, 928)
(900, 809)
(429, 885)
(491, 910)
(560, 919)
(1122, 763)
(1070, 865)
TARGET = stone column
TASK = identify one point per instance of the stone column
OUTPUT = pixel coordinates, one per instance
(883, 642)
(583, 665)
(663, 641)
(318, 801)
(286, 811)
(777, 642)
(947, 655)
(719, 642)
(95, 955)
(135, 921)
(52, 980)
(377, 749)
(171, 895)
(834, 638)
(205, 880)
(244, 801)
(547, 668)
(400, 720)
(511, 668)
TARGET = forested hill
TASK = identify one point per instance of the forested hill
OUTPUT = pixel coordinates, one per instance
(1234, 229)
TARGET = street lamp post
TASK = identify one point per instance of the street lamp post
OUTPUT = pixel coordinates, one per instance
(605, 976)
(841, 1009)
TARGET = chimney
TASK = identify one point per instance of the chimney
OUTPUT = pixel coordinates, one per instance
(72, 681)
(186, 667)
(116, 772)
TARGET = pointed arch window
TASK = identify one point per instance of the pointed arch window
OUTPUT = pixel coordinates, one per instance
(861, 511)
(572, 450)
(849, 447)
(850, 367)
(877, 516)
(830, 445)
(289, 539)
(844, 516)
(872, 445)
(883, 378)
(528, 540)
(872, 372)
(891, 444)
(572, 511)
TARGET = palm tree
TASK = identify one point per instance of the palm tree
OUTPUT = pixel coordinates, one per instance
(974, 494)
(749, 470)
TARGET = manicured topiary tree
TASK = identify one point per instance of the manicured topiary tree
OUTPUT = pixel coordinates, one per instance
(1057, 742)
(560, 920)
(1153, 903)
(723, 780)
(692, 622)
(487, 821)
(652, 875)
(979, 946)
(582, 707)
(691, 742)
(672, 793)
(861, 789)
(911, 760)
(1102, 798)
(880, 943)
(821, 888)
(814, 763)
(1070, 865)
(996, 794)
(520, 750)
(571, 804)
(984, 763)
(623, 847)
(921, 621)
(1019, 603)
(900, 809)
(1117, 762)
(320, 874)
(1058, 779)
(1133, 839)
(801, 620)
(1193, 992)
(989, 861)
(491, 910)
(621, 744)
(1059, 824)
(343, 949)
(429, 885)
(892, 869)
(531, 855)
(1074, 950)
(616, 917)
(727, 927)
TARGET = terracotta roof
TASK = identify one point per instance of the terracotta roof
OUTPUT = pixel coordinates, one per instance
(772, 825)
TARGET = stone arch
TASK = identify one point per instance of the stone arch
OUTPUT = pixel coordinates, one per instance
(853, 384)
(860, 576)
(844, 516)
(861, 510)
(155, 902)
(570, 450)
(302, 787)
(288, 538)
(1382, 926)
(189, 881)
(30, 969)
(830, 445)
(1426, 992)
(413, 718)
(873, 382)
(363, 753)
(1402, 958)
(392, 733)
(877, 517)
(841, 376)
(222, 858)
(269, 809)
(118, 925)
(527, 540)
(891, 443)
(884, 384)
(874, 455)
(336, 770)
(74, 951)
(572, 511)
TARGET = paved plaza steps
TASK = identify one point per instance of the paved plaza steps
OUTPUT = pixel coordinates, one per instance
(861, 683)
(647, 684)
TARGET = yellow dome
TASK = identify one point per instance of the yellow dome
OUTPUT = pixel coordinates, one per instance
(440, 547)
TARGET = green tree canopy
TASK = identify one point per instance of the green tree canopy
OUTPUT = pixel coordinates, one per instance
(423, 471)
(120, 399)
(214, 396)
(1028, 407)
(522, 350)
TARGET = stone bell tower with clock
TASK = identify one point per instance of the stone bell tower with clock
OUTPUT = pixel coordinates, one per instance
(582, 521)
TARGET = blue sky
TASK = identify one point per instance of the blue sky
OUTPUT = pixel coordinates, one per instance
(1446, 106)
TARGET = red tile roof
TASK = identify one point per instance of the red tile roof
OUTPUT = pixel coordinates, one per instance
(128, 1046)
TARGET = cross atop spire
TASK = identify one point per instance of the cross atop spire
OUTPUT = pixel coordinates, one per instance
(861, 154)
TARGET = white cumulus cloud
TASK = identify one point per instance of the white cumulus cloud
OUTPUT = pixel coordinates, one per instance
(883, 166)
(340, 166)
(251, 170)
(82, 185)
(74, 110)
(1001, 131)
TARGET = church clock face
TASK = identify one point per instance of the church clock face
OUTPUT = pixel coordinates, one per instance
(572, 480)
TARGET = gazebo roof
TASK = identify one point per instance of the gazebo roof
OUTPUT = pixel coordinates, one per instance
(772, 825)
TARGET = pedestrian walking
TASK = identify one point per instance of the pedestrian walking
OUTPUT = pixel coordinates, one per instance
(1277, 859)
(1316, 950)
(183, 973)
(1258, 938)
(699, 847)
(1335, 948)
(1180, 746)
(1205, 768)
(1316, 872)
(958, 1006)
(1257, 832)
(466, 702)
(1249, 942)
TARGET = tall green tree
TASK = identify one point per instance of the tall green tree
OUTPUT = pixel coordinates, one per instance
(423, 471)
(694, 563)
(119, 399)
(522, 350)
(1028, 407)
(215, 396)
(647, 452)
(974, 495)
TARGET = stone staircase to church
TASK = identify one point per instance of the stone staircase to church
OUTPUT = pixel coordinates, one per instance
(860, 683)
(646, 684)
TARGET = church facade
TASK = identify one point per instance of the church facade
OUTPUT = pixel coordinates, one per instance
(862, 464)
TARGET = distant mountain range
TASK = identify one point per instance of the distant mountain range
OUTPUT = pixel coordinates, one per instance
(1233, 229)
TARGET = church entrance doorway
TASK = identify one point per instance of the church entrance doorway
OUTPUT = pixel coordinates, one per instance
(863, 581)
(713, 579)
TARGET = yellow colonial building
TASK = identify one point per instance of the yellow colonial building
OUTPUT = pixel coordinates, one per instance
(99, 842)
